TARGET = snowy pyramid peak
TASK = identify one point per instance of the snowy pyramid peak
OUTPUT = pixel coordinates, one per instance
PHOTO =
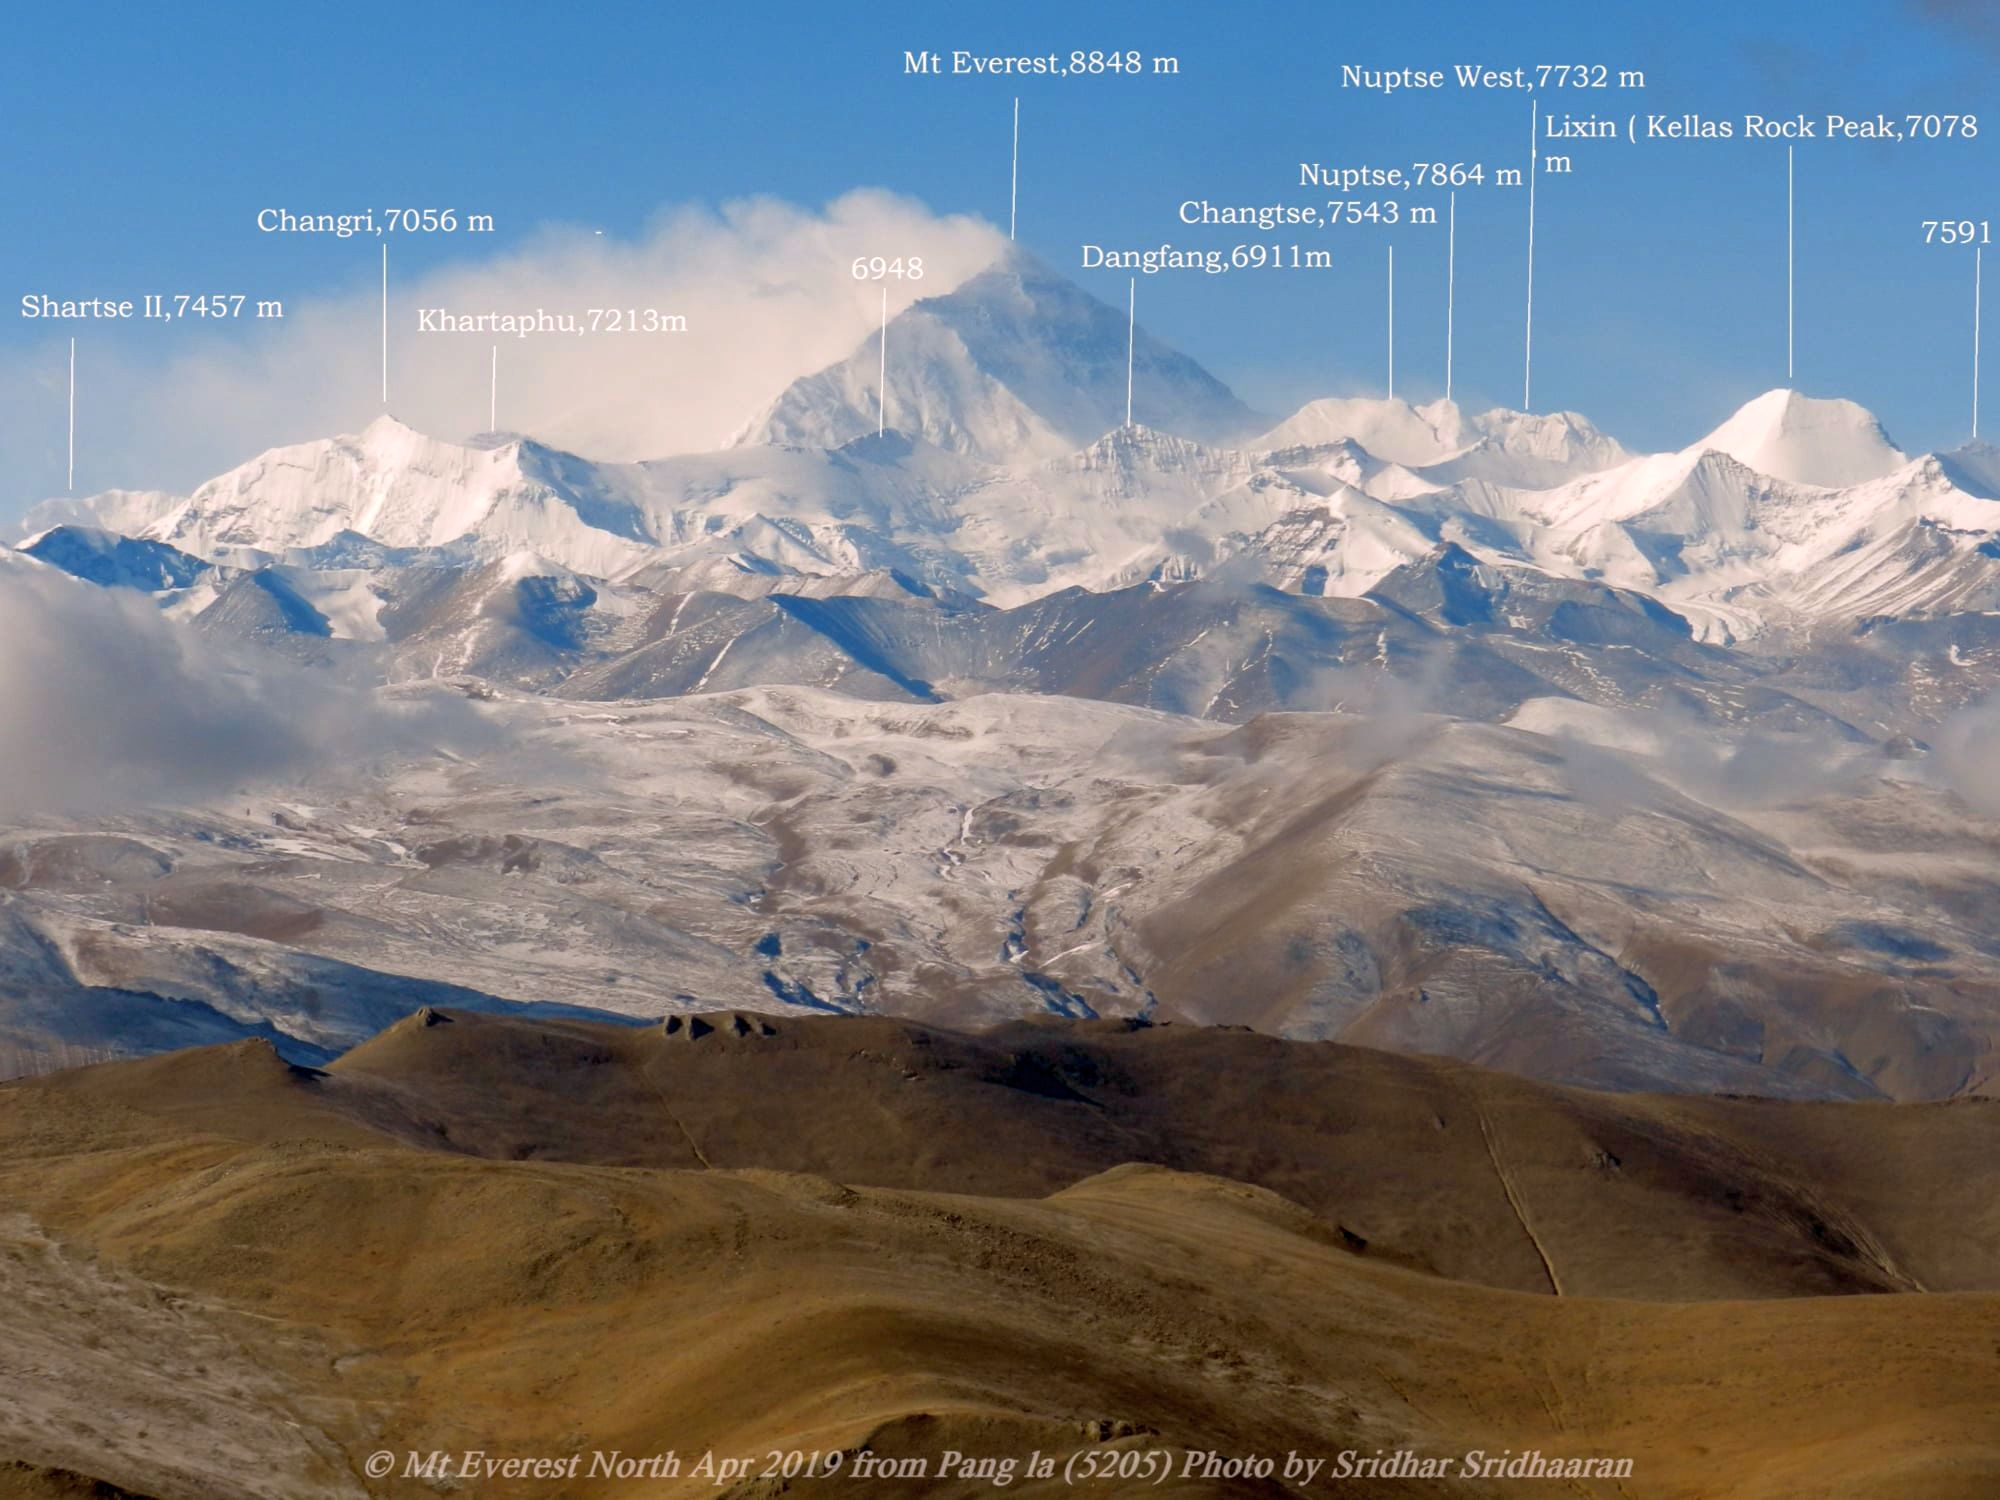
(1831, 444)
(1016, 364)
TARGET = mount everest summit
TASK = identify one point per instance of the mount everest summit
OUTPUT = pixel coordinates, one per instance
(1018, 363)
(1016, 706)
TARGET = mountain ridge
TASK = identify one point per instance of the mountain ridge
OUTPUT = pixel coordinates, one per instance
(1016, 364)
(1008, 465)
(1739, 550)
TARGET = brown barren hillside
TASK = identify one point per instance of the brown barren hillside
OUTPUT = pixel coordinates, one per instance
(225, 1275)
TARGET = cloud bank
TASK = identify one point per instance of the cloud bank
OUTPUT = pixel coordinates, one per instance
(108, 703)
(766, 288)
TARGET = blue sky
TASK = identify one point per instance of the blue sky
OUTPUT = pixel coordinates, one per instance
(141, 142)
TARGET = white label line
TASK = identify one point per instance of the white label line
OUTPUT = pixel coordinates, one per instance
(1131, 339)
(1528, 346)
(493, 395)
(882, 374)
(1978, 253)
(1014, 190)
(1450, 285)
(1392, 322)
(385, 326)
(72, 416)
(1791, 243)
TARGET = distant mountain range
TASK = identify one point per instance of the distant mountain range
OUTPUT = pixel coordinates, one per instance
(1009, 475)
(1634, 770)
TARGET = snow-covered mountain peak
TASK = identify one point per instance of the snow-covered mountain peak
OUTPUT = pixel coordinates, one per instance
(999, 464)
(386, 427)
(498, 438)
(1017, 364)
(1560, 437)
(1387, 427)
(366, 497)
(525, 562)
(1139, 448)
(127, 512)
(1439, 441)
(1529, 449)
(388, 481)
(1807, 440)
(1974, 468)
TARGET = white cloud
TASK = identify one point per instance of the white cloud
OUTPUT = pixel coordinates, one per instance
(105, 702)
(766, 288)
(1965, 744)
